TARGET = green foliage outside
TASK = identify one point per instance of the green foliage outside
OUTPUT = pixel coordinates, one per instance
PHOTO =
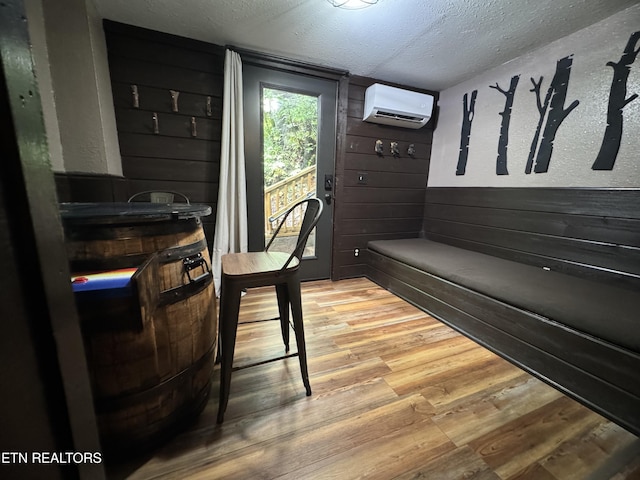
(290, 131)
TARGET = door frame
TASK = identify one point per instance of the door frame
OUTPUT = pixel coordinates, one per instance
(255, 78)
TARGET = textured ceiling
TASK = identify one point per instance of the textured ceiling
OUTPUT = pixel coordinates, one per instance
(431, 44)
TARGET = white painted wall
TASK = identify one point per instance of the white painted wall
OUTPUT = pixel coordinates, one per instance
(579, 136)
(72, 69)
(104, 92)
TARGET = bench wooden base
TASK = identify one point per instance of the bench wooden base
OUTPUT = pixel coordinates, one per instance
(600, 375)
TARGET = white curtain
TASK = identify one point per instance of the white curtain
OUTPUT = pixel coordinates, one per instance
(231, 220)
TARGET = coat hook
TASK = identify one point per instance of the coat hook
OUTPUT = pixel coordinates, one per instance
(209, 110)
(174, 100)
(379, 147)
(194, 132)
(156, 127)
(394, 149)
(136, 98)
(411, 151)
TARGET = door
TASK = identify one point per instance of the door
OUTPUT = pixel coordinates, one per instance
(290, 143)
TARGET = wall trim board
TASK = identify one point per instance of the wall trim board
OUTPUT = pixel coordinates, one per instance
(276, 62)
(615, 202)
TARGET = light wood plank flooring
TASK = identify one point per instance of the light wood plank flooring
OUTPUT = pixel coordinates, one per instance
(396, 395)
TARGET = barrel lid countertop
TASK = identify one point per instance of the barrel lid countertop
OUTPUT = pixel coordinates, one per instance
(124, 212)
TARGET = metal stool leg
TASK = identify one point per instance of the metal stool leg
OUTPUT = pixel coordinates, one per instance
(283, 307)
(229, 309)
(293, 286)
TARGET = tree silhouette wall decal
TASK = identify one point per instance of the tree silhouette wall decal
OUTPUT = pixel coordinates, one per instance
(617, 101)
(468, 110)
(503, 141)
(553, 111)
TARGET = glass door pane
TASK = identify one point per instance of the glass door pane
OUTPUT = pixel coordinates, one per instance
(290, 145)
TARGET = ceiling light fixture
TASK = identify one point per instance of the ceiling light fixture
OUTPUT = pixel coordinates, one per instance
(352, 4)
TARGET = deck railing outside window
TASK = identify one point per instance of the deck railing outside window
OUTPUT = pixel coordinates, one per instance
(280, 196)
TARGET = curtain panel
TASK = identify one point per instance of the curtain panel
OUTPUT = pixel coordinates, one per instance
(231, 219)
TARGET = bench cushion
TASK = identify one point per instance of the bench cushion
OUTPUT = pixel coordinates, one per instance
(598, 309)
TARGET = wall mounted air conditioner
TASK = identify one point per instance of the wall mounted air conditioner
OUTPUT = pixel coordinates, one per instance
(396, 106)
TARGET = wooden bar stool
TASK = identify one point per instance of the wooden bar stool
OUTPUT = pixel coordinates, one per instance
(258, 269)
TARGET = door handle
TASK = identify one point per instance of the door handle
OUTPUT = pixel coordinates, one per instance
(328, 182)
(327, 198)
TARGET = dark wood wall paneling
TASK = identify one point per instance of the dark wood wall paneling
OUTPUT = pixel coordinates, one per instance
(90, 187)
(390, 205)
(172, 159)
(590, 232)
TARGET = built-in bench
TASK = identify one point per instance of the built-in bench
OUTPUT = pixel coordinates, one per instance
(575, 325)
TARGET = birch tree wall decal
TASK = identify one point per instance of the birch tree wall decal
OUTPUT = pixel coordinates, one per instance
(468, 110)
(503, 142)
(617, 101)
(542, 109)
(554, 103)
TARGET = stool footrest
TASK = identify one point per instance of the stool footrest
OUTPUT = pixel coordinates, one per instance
(246, 322)
(242, 367)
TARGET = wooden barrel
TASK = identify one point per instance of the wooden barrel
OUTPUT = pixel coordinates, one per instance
(150, 353)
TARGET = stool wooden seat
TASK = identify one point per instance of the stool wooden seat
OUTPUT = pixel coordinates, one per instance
(258, 269)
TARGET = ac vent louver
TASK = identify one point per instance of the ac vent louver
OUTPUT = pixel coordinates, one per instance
(397, 116)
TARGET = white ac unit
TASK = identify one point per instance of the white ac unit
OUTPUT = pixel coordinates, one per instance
(396, 106)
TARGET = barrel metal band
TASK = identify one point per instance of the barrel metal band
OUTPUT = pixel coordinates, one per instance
(127, 261)
(181, 252)
(150, 435)
(177, 382)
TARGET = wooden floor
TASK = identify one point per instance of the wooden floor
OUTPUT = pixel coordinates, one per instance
(396, 395)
